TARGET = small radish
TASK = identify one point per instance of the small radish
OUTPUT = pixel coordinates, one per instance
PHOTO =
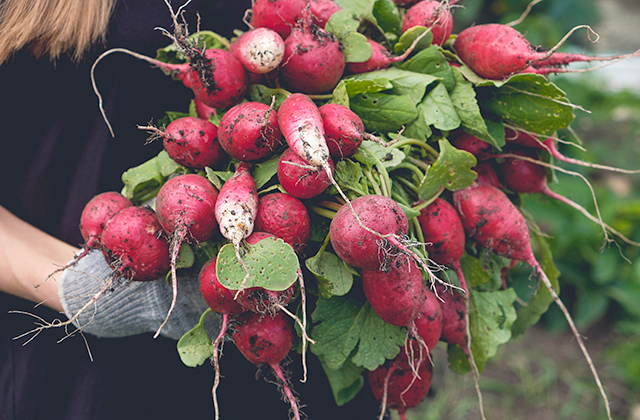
(278, 15)
(184, 206)
(496, 51)
(285, 217)
(454, 314)
(313, 61)
(475, 146)
(487, 174)
(322, 10)
(427, 324)
(301, 179)
(431, 14)
(397, 294)
(190, 141)
(202, 111)
(259, 50)
(97, 212)
(267, 339)
(396, 384)
(135, 245)
(249, 131)
(236, 209)
(359, 246)
(344, 130)
(494, 221)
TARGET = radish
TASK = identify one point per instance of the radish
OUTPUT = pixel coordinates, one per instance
(495, 51)
(97, 212)
(267, 339)
(397, 294)
(236, 208)
(491, 218)
(190, 141)
(259, 50)
(427, 324)
(322, 10)
(278, 15)
(487, 175)
(202, 111)
(301, 179)
(454, 315)
(184, 206)
(396, 385)
(249, 131)
(135, 245)
(475, 146)
(285, 217)
(344, 130)
(313, 60)
(431, 14)
(263, 301)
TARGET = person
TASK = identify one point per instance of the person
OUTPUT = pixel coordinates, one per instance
(58, 155)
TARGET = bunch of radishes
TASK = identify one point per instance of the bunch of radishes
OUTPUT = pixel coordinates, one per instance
(279, 139)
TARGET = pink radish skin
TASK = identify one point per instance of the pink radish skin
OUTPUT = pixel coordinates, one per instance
(301, 124)
(465, 141)
(135, 244)
(359, 247)
(267, 339)
(322, 10)
(313, 60)
(397, 295)
(523, 176)
(259, 50)
(191, 142)
(454, 311)
(344, 130)
(219, 298)
(427, 324)
(249, 131)
(495, 51)
(278, 15)
(301, 179)
(202, 111)
(380, 59)
(237, 204)
(430, 14)
(404, 389)
(220, 81)
(97, 212)
(285, 217)
(487, 175)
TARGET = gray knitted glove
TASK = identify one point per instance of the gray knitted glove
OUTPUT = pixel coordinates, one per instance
(131, 307)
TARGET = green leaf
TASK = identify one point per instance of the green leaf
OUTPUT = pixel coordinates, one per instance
(217, 178)
(473, 271)
(491, 315)
(409, 36)
(452, 170)
(272, 265)
(384, 113)
(342, 23)
(419, 128)
(388, 16)
(186, 256)
(354, 86)
(264, 171)
(531, 102)
(142, 183)
(340, 95)
(404, 82)
(389, 157)
(346, 326)
(438, 110)
(356, 49)
(263, 94)
(431, 61)
(195, 347)
(334, 278)
(202, 39)
(529, 315)
(348, 174)
(345, 382)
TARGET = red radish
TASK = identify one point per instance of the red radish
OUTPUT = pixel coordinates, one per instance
(524, 176)
(249, 131)
(396, 385)
(380, 59)
(190, 141)
(97, 212)
(184, 206)
(278, 15)
(267, 339)
(427, 324)
(431, 14)
(259, 50)
(444, 235)
(135, 244)
(494, 221)
(301, 179)
(313, 60)
(322, 10)
(344, 130)
(236, 209)
(285, 217)
(475, 146)
(454, 312)
(495, 51)
(396, 295)
(263, 301)
(487, 175)
(358, 246)
(204, 112)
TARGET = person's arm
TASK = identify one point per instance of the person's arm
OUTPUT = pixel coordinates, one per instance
(27, 256)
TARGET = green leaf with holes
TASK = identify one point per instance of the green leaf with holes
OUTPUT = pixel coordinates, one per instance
(452, 170)
(271, 264)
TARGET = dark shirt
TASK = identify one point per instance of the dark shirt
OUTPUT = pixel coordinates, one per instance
(57, 155)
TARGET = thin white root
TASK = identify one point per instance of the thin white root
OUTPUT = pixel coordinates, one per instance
(564, 39)
(524, 14)
(303, 296)
(576, 333)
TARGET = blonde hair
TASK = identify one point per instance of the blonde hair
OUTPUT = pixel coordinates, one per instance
(52, 27)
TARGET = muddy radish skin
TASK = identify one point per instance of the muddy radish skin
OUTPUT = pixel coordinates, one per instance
(285, 217)
(192, 142)
(236, 206)
(429, 321)
(220, 81)
(278, 15)
(431, 14)
(454, 310)
(135, 244)
(301, 179)
(97, 212)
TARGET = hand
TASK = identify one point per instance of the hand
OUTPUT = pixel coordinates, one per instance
(130, 307)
